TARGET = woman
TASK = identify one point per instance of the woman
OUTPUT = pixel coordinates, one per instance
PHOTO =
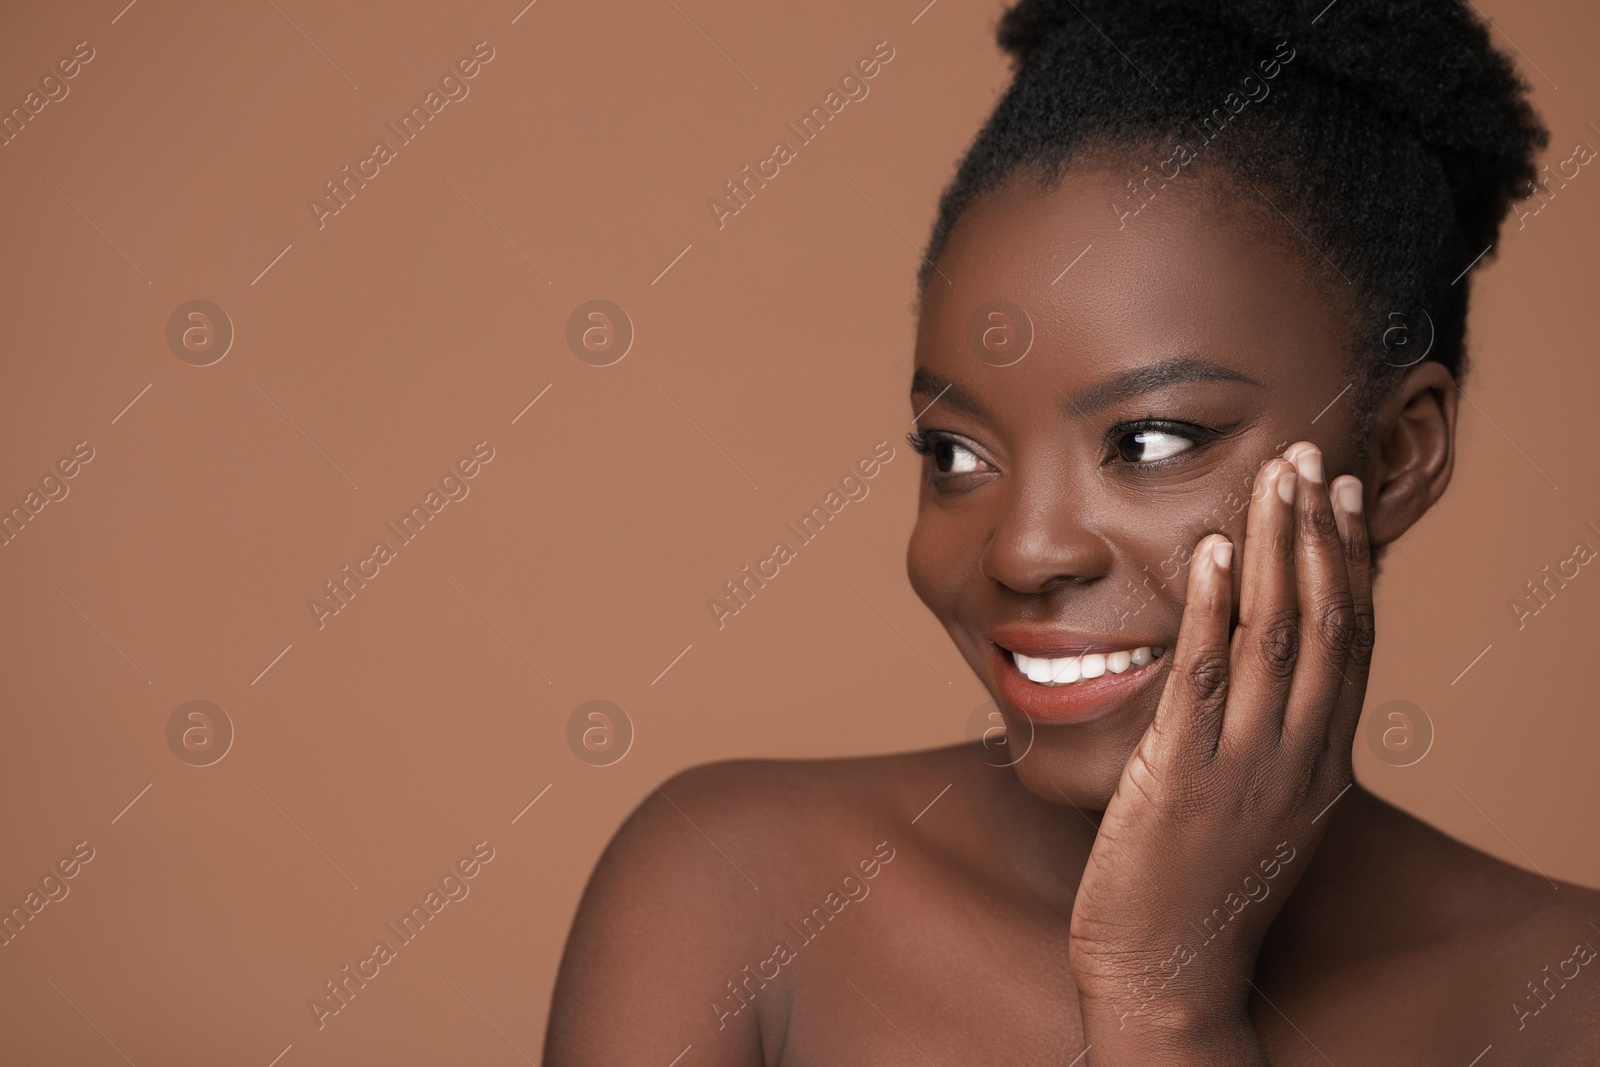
(1191, 327)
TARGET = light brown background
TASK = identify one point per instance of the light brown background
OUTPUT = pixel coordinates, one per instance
(408, 328)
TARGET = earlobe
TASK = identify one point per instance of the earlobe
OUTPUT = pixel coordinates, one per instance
(1413, 450)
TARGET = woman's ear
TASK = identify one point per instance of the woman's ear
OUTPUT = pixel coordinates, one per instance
(1414, 450)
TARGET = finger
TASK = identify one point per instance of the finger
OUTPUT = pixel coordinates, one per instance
(1349, 512)
(1326, 607)
(1266, 643)
(1190, 713)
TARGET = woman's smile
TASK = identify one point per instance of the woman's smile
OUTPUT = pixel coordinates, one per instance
(1066, 688)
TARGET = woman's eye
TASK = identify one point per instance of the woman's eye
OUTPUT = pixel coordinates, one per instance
(951, 458)
(1148, 446)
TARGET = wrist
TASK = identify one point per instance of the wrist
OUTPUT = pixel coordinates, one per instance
(1169, 1030)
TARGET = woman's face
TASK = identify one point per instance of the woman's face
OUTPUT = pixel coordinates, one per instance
(1170, 357)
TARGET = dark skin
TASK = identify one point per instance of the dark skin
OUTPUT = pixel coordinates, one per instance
(1034, 911)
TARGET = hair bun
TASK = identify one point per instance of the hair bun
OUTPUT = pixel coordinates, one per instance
(1459, 97)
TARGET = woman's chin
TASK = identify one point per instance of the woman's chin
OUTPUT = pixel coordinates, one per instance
(1084, 779)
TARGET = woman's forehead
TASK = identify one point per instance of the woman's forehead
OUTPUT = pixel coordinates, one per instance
(1057, 274)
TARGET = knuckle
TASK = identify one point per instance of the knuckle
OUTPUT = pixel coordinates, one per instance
(1337, 623)
(1208, 678)
(1364, 635)
(1321, 524)
(1280, 645)
(1357, 553)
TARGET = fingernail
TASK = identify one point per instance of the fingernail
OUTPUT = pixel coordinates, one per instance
(1286, 482)
(1222, 553)
(1309, 463)
(1349, 495)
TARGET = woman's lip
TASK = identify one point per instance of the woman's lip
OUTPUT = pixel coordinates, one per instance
(1082, 701)
(1053, 644)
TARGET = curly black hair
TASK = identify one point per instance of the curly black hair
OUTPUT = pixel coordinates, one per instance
(1387, 139)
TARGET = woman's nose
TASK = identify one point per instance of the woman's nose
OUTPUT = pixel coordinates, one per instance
(1041, 541)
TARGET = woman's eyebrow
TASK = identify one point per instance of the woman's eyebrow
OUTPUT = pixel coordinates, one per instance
(927, 383)
(1141, 380)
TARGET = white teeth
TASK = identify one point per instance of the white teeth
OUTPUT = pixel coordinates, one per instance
(1068, 669)
(1037, 670)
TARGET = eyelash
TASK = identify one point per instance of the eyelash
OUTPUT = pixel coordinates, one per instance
(1199, 436)
(923, 442)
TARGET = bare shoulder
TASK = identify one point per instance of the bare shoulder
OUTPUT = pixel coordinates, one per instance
(1514, 954)
(697, 884)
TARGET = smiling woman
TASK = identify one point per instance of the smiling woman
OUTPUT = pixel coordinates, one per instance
(1180, 870)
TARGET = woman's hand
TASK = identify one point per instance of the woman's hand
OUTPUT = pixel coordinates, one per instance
(1220, 807)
